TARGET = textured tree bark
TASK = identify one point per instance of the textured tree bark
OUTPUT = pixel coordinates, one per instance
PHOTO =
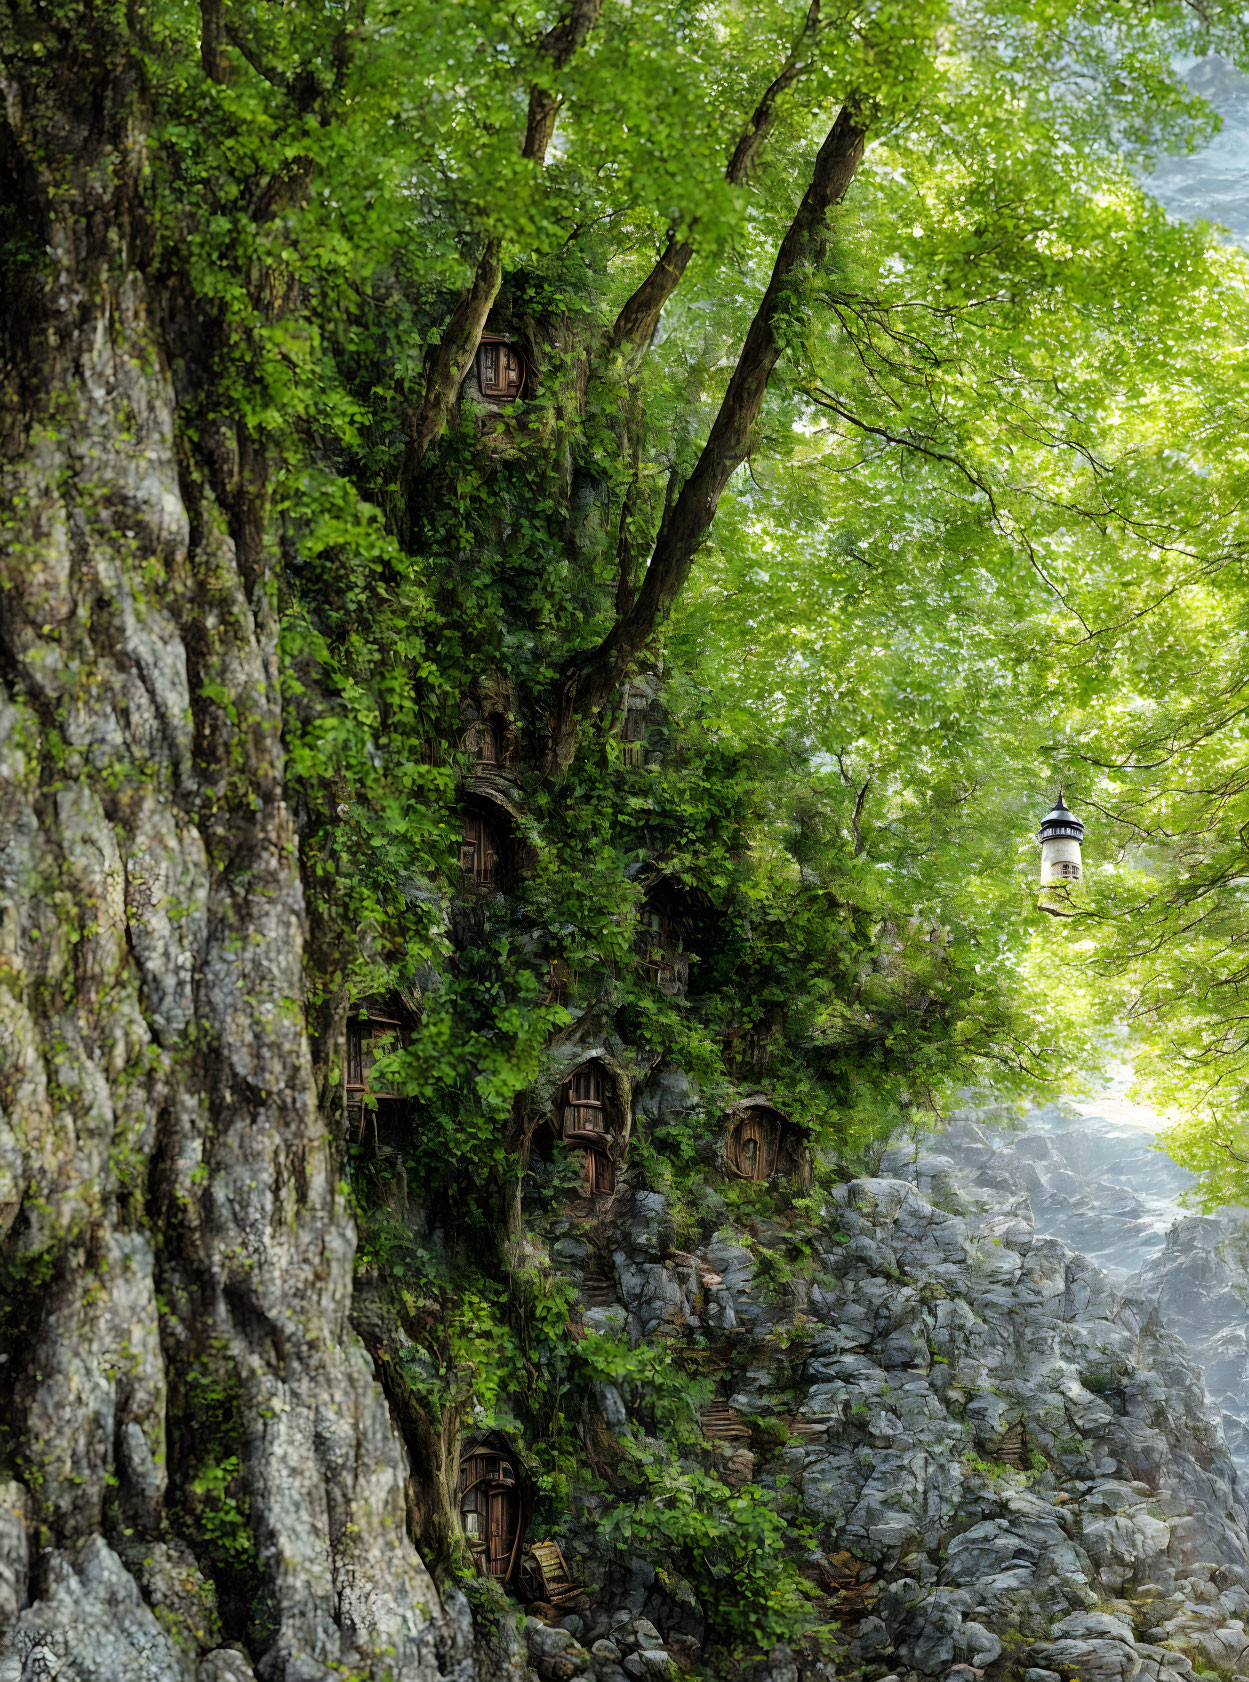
(169, 1201)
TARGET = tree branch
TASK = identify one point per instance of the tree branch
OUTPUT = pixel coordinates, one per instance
(210, 40)
(589, 681)
(855, 820)
(637, 321)
(558, 45)
(763, 117)
(246, 49)
(450, 360)
(626, 555)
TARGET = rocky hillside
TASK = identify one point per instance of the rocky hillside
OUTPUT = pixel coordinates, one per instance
(1109, 1192)
(997, 1459)
(1008, 1462)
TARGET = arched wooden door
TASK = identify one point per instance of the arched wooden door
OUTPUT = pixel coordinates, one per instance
(480, 849)
(753, 1145)
(502, 1519)
(490, 1511)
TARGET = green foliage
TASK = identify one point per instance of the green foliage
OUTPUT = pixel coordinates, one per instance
(208, 1429)
(998, 1471)
(223, 1522)
(732, 1546)
(862, 675)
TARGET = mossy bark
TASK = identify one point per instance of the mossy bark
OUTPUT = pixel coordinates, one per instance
(168, 1184)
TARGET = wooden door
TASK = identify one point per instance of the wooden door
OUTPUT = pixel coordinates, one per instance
(500, 371)
(750, 1149)
(598, 1174)
(500, 1530)
(479, 850)
(753, 1147)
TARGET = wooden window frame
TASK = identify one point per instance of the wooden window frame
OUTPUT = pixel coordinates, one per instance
(588, 1121)
(584, 1106)
(362, 1028)
(359, 1059)
(480, 742)
(498, 352)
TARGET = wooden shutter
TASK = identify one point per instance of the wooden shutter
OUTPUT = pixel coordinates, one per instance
(355, 1057)
(635, 722)
(471, 1471)
(633, 734)
(598, 1173)
(604, 1171)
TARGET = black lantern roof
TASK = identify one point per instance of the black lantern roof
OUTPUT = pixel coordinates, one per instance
(1061, 822)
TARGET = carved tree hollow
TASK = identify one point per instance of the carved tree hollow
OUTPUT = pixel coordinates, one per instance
(761, 1142)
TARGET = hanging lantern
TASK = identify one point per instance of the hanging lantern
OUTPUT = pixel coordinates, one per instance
(1061, 864)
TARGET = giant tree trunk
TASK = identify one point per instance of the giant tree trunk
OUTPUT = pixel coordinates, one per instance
(177, 1254)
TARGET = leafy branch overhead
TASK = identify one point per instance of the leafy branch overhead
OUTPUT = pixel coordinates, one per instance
(856, 380)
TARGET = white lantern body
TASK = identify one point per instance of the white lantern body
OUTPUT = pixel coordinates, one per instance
(1060, 859)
